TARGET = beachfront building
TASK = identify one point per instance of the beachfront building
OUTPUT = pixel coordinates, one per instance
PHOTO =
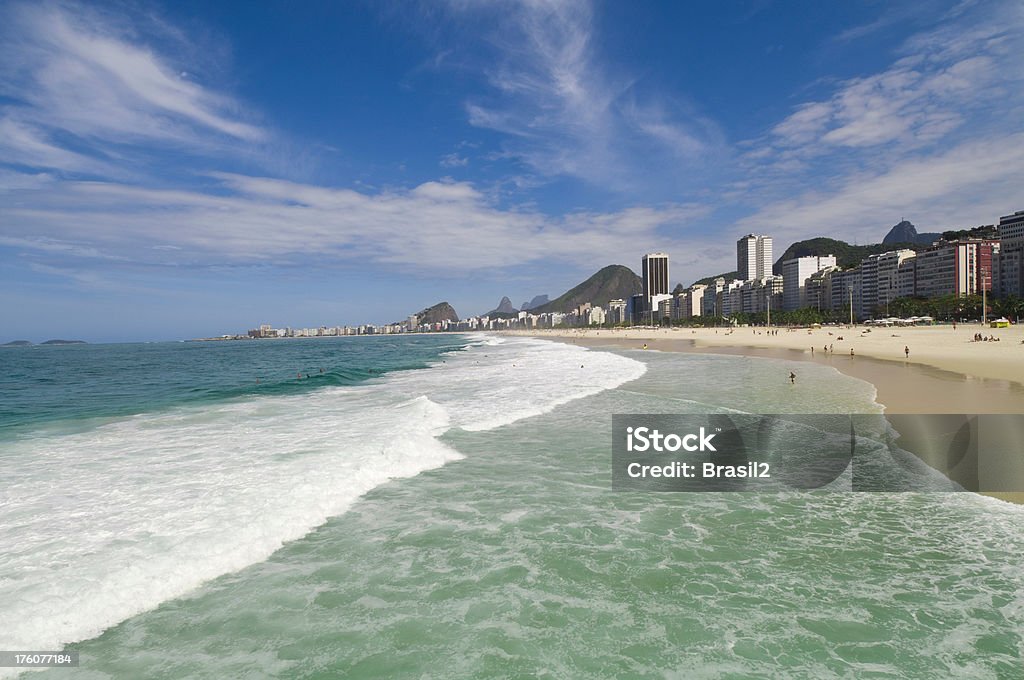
(754, 257)
(817, 289)
(730, 300)
(906, 275)
(795, 273)
(1011, 231)
(655, 275)
(665, 309)
(1008, 265)
(962, 267)
(711, 302)
(636, 309)
(596, 316)
(660, 308)
(1008, 273)
(890, 283)
(759, 295)
(868, 287)
(616, 311)
(655, 278)
(844, 290)
(690, 302)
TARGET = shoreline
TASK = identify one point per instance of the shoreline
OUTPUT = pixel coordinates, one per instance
(942, 377)
(901, 386)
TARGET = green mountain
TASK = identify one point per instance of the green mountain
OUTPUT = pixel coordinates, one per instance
(613, 282)
(984, 231)
(846, 254)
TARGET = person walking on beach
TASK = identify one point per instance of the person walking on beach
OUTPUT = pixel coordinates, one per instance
(906, 350)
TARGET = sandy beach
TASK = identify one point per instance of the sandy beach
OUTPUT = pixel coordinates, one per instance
(946, 372)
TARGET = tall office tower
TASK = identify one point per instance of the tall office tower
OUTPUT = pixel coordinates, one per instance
(754, 257)
(655, 275)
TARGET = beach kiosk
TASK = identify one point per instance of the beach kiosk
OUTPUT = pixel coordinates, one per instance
(1001, 322)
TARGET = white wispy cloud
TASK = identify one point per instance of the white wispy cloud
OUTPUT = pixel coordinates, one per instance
(568, 113)
(438, 228)
(964, 69)
(454, 160)
(967, 185)
(927, 138)
(83, 92)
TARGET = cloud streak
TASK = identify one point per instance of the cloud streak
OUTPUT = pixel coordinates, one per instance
(436, 228)
(927, 138)
(84, 94)
(565, 113)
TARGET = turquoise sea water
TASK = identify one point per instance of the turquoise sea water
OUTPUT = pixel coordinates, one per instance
(457, 521)
(75, 382)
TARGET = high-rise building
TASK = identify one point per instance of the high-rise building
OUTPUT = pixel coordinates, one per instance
(958, 268)
(868, 287)
(754, 257)
(1008, 264)
(891, 279)
(1011, 231)
(844, 291)
(655, 274)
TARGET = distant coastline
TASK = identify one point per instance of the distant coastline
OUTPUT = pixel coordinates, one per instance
(28, 343)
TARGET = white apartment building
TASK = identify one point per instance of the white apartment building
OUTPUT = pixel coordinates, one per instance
(795, 273)
(890, 284)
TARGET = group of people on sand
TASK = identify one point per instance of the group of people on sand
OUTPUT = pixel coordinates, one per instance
(978, 337)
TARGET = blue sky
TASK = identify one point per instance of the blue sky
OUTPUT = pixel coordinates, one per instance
(191, 168)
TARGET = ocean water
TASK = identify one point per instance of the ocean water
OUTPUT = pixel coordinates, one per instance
(449, 514)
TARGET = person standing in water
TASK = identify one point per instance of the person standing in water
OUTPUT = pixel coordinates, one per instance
(792, 378)
(906, 351)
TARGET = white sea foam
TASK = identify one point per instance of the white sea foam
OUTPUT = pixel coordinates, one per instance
(98, 526)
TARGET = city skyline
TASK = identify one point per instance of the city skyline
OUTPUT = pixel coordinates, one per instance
(951, 265)
(169, 170)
